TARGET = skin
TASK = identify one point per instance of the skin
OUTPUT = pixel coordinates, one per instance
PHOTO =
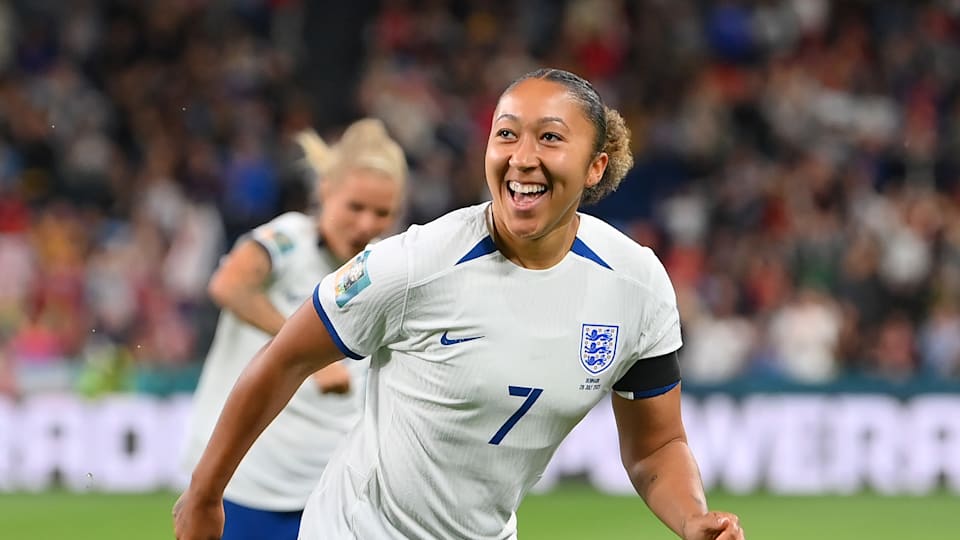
(362, 205)
(530, 145)
(654, 451)
(540, 136)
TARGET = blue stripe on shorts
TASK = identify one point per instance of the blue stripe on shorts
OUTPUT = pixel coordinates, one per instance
(244, 523)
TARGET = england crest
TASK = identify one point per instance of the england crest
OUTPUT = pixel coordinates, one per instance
(598, 344)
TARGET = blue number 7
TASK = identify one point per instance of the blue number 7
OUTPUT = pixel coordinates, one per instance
(520, 391)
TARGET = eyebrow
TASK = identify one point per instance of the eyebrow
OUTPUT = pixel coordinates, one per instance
(544, 120)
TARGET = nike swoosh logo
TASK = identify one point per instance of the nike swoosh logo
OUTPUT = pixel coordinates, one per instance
(444, 340)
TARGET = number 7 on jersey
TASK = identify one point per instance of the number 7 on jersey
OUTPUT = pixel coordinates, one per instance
(520, 391)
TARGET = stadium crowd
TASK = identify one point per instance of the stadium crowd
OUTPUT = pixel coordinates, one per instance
(797, 167)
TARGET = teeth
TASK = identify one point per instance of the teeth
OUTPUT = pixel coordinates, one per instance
(526, 188)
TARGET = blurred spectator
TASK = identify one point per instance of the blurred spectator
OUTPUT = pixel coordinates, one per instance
(940, 340)
(718, 342)
(805, 334)
(893, 352)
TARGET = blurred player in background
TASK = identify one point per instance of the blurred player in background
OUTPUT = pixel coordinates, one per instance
(267, 275)
(492, 331)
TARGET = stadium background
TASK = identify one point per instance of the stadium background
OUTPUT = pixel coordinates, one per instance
(797, 171)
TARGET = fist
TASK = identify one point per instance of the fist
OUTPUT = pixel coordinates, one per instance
(713, 526)
(197, 520)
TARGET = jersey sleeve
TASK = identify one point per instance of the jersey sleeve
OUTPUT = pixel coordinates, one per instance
(362, 303)
(278, 238)
(656, 368)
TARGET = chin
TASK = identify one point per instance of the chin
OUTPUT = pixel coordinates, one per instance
(524, 228)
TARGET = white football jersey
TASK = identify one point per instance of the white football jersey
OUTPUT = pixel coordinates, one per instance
(479, 369)
(284, 464)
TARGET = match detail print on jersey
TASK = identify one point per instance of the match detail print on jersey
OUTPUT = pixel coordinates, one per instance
(352, 278)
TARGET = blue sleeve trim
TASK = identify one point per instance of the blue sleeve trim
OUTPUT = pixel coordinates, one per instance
(333, 331)
(654, 392)
(483, 247)
(584, 251)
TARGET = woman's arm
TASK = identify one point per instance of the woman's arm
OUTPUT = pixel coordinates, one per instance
(239, 286)
(653, 447)
(302, 346)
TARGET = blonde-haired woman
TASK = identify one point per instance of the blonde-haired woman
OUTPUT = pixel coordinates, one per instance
(264, 279)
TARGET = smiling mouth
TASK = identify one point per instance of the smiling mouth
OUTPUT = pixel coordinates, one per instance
(525, 195)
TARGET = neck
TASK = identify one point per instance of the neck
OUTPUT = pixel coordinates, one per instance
(324, 245)
(535, 253)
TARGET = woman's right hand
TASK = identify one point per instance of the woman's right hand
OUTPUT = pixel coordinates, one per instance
(195, 519)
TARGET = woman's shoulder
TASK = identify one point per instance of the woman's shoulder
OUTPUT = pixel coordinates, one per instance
(437, 245)
(294, 223)
(621, 254)
(450, 231)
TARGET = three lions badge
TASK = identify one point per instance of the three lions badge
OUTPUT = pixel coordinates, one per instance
(598, 345)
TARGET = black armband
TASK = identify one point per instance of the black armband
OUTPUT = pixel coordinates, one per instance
(650, 377)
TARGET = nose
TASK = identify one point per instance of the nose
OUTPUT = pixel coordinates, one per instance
(368, 224)
(524, 156)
